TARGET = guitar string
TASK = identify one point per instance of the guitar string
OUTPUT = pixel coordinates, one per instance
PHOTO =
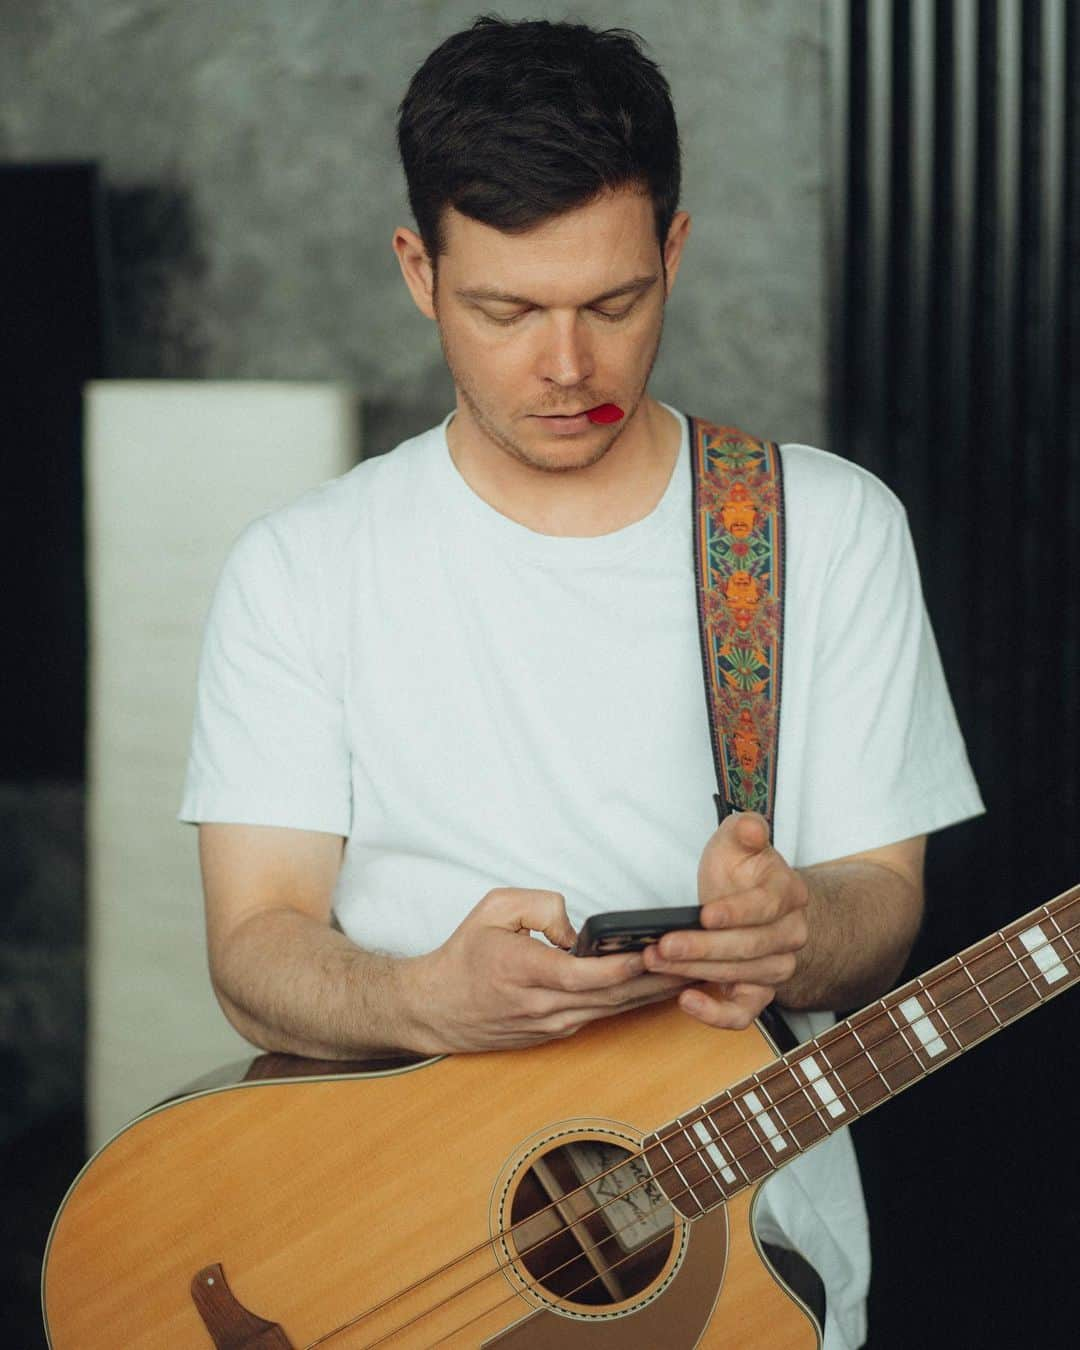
(666, 1234)
(501, 1268)
(456, 1331)
(803, 1093)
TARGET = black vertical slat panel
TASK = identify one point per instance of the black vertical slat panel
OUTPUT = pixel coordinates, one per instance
(1004, 631)
(1067, 584)
(838, 225)
(914, 110)
(992, 491)
(953, 262)
(948, 566)
(897, 368)
(1037, 511)
(875, 451)
(855, 249)
(965, 397)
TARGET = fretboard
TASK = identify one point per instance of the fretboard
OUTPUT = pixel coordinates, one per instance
(738, 1138)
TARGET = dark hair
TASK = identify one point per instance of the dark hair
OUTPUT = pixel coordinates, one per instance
(515, 123)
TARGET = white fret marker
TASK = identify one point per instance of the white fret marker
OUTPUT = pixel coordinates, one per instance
(922, 1026)
(766, 1122)
(821, 1086)
(713, 1152)
(1043, 954)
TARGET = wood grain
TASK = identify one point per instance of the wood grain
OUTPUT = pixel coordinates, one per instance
(323, 1198)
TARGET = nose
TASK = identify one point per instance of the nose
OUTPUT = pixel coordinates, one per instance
(565, 357)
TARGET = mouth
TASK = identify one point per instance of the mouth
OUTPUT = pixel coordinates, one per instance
(601, 414)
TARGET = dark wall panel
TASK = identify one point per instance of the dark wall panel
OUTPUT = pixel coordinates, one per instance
(52, 340)
(955, 376)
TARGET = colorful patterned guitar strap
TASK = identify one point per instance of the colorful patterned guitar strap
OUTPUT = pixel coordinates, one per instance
(739, 573)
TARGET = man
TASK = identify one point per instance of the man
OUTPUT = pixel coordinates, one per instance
(453, 700)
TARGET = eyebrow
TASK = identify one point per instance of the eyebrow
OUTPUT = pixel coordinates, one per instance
(491, 293)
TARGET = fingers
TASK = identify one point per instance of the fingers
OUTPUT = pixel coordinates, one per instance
(616, 984)
(773, 970)
(732, 1006)
(757, 937)
(750, 936)
(528, 911)
(780, 892)
(564, 1022)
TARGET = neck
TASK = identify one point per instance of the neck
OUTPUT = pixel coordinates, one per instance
(623, 486)
(739, 1138)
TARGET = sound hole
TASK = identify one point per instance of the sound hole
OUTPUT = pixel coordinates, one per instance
(590, 1224)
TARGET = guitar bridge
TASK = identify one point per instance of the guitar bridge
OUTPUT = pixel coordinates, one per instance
(230, 1324)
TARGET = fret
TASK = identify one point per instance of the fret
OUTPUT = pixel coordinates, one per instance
(999, 975)
(711, 1152)
(739, 1140)
(675, 1186)
(912, 1025)
(982, 994)
(826, 1054)
(878, 1077)
(1061, 933)
(939, 1019)
(1026, 992)
(893, 1056)
(743, 1135)
(681, 1160)
(920, 1036)
(918, 1009)
(818, 1081)
(766, 1129)
(1039, 945)
(797, 1107)
(684, 1169)
(774, 1085)
(855, 1067)
(698, 1164)
(961, 1004)
(1066, 918)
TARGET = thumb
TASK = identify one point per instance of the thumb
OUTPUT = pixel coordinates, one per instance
(750, 831)
(532, 911)
(739, 837)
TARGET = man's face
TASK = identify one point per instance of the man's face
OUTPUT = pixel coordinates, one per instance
(530, 328)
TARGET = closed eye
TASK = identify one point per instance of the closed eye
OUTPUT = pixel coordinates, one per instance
(609, 315)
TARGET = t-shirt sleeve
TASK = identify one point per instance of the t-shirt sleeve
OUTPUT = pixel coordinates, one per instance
(268, 743)
(884, 757)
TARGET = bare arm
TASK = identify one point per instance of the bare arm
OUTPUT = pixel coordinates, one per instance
(288, 981)
(863, 916)
(285, 978)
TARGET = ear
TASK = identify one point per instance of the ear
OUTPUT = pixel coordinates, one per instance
(676, 240)
(416, 268)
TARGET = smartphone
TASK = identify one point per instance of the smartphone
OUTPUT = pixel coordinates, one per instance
(629, 930)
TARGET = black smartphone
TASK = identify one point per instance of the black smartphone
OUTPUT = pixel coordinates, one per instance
(629, 930)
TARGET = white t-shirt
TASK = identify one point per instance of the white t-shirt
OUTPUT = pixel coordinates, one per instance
(473, 704)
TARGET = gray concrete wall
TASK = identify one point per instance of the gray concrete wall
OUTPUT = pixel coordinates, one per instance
(254, 188)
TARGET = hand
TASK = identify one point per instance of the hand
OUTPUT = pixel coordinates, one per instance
(753, 911)
(492, 986)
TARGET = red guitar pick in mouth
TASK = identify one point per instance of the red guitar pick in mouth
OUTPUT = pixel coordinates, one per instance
(606, 412)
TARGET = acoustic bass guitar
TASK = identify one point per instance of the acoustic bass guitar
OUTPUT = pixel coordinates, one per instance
(585, 1194)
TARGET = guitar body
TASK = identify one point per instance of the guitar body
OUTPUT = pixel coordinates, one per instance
(274, 1212)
